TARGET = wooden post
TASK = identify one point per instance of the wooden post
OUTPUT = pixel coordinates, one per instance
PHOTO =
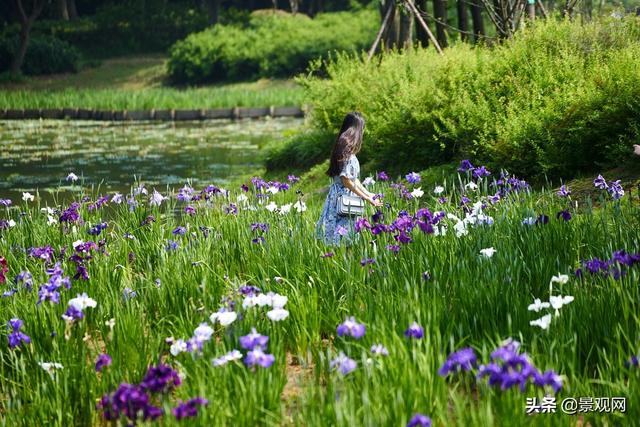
(424, 26)
(385, 22)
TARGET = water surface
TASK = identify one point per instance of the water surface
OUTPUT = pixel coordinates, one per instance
(39, 154)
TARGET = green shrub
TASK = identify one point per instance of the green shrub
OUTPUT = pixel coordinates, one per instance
(269, 45)
(45, 55)
(558, 99)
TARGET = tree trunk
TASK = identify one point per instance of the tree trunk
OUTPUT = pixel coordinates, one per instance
(73, 11)
(406, 29)
(463, 26)
(390, 34)
(63, 9)
(440, 13)
(213, 10)
(18, 59)
(531, 9)
(478, 23)
(421, 34)
(295, 5)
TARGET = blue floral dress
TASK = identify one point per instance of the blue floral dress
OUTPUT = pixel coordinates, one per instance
(331, 227)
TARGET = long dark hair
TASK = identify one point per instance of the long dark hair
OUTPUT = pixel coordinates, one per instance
(348, 142)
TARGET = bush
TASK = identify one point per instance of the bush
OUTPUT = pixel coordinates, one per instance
(558, 99)
(269, 45)
(45, 55)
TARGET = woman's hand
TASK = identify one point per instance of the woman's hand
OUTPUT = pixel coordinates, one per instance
(375, 202)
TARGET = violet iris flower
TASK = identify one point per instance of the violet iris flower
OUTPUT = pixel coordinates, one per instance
(343, 364)
(189, 408)
(461, 360)
(254, 340)
(258, 357)
(419, 420)
(103, 361)
(351, 327)
(414, 331)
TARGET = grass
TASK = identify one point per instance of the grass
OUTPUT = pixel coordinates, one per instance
(138, 83)
(467, 301)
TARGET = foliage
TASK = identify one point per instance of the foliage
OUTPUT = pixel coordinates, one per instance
(270, 45)
(45, 55)
(465, 300)
(559, 98)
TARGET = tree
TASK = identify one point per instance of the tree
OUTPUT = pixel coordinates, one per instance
(478, 22)
(440, 13)
(461, 7)
(213, 9)
(421, 34)
(63, 9)
(406, 28)
(26, 23)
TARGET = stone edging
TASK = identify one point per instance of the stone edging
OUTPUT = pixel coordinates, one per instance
(136, 115)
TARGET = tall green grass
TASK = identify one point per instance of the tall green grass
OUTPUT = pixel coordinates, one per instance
(468, 301)
(158, 98)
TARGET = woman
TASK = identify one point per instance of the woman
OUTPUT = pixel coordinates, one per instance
(344, 170)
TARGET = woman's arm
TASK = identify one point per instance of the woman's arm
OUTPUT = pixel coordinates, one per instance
(363, 189)
(354, 187)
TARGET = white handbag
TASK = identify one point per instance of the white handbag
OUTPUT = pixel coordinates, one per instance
(349, 205)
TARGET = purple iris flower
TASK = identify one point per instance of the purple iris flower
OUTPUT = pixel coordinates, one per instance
(160, 379)
(362, 223)
(464, 200)
(232, 209)
(254, 340)
(542, 219)
(480, 172)
(634, 361)
(293, 179)
(615, 190)
(327, 255)
(367, 261)
(97, 229)
(351, 327)
(45, 253)
(189, 210)
(179, 231)
(414, 331)
(128, 400)
(461, 360)
(379, 350)
(442, 200)
(566, 215)
(564, 191)
(419, 420)
(549, 378)
(258, 357)
(103, 361)
(377, 217)
(5, 202)
(171, 245)
(16, 336)
(189, 408)
(465, 165)
(393, 248)
(260, 226)
(379, 228)
(403, 237)
(413, 178)
(600, 183)
(72, 314)
(382, 176)
(343, 364)
(71, 214)
(258, 240)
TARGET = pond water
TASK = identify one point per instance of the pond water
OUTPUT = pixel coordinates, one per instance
(37, 155)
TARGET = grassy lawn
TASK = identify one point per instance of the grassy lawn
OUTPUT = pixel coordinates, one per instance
(138, 83)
